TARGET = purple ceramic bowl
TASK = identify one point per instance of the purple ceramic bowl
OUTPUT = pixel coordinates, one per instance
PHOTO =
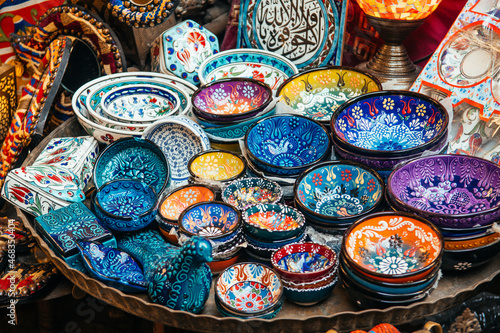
(231, 100)
(451, 191)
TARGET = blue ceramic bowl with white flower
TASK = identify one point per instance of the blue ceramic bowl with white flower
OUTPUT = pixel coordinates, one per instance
(287, 144)
(389, 123)
(338, 192)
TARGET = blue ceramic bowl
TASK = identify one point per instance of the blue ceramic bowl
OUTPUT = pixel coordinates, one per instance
(310, 296)
(287, 144)
(389, 123)
(338, 192)
(132, 158)
(125, 205)
(266, 249)
(247, 192)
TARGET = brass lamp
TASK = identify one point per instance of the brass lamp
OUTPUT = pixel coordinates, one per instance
(394, 20)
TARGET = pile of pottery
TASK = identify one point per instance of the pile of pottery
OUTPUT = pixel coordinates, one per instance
(389, 259)
(460, 195)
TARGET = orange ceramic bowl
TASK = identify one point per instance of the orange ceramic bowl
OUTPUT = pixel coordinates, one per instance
(217, 266)
(393, 247)
(170, 238)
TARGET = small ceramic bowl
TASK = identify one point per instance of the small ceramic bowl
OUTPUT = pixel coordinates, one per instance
(125, 205)
(266, 249)
(287, 144)
(247, 192)
(248, 289)
(231, 99)
(338, 192)
(304, 262)
(464, 259)
(318, 92)
(389, 123)
(393, 246)
(217, 266)
(268, 314)
(217, 165)
(451, 191)
(310, 296)
(165, 229)
(273, 222)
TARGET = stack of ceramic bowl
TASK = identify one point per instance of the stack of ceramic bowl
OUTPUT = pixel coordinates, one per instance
(218, 222)
(460, 195)
(332, 195)
(247, 192)
(268, 227)
(249, 290)
(390, 258)
(382, 129)
(308, 272)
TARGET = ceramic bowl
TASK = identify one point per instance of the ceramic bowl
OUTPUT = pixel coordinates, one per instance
(217, 266)
(320, 282)
(132, 158)
(471, 241)
(169, 231)
(393, 246)
(231, 99)
(304, 262)
(179, 138)
(247, 192)
(265, 249)
(261, 65)
(464, 259)
(338, 192)
(249, 289)
(125, 205)
(452, 191)
(389, 123)
(287, 144)
(218, 165)
(273, 222)
(309, 296)
(318, 92)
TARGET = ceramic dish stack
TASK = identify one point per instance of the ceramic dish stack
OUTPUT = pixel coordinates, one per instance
(332, 195)
(390, 259)
(382, 129)
(308, 272)
(247, 192)
(460, 195)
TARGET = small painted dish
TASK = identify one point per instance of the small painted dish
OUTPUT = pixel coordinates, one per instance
(113, 267)
(246, 192)
(218, 165)
(273, 222)
(139, 103)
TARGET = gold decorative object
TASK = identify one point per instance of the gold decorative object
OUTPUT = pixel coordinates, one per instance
(8, 97)
(466, 323)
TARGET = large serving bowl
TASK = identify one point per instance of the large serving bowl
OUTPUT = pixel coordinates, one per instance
(318, 92)
(338, 192)
(287, 144)
(217, 165)
(246, 192)
(451, 191)
(393, 247)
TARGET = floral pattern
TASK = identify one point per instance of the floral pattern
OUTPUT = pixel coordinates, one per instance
(247, 192)
(210, 219)
(217, 165)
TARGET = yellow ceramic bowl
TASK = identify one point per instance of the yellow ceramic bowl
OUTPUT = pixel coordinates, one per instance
(317, 93)
(219, 165)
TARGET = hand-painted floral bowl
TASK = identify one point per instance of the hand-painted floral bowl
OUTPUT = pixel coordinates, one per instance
(273, 222)
(389, 123)
(246, 192)
(217, 165)
(125, 204)
(393, 247)
(265, 249)
(318, 92)
(308, 296)
(231, 99)
(287, 144)
(132, 158)
(338, 192)
(249, 289)
(451, 191)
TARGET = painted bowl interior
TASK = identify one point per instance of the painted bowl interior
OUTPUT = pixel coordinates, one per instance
(231, 97)
(316, 94)
(287, 141)
(392, 245)
(217, 165)
(210, 220)
(447, 185)
(389, 123)
(176, 202)
(249, 288)
(305, 258)
(337, 190)
(274, 218)
(247, 192)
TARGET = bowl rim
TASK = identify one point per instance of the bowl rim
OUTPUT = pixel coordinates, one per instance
(241, 158)
(224, 192)
(301, 220)
(374, 173)
(287, 115)
(351, 262)
(234, 229)
(95, 200)
(228, 117)
(380, 153)
(392, 198)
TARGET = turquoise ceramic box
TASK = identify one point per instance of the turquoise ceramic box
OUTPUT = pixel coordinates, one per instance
(62, 227)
